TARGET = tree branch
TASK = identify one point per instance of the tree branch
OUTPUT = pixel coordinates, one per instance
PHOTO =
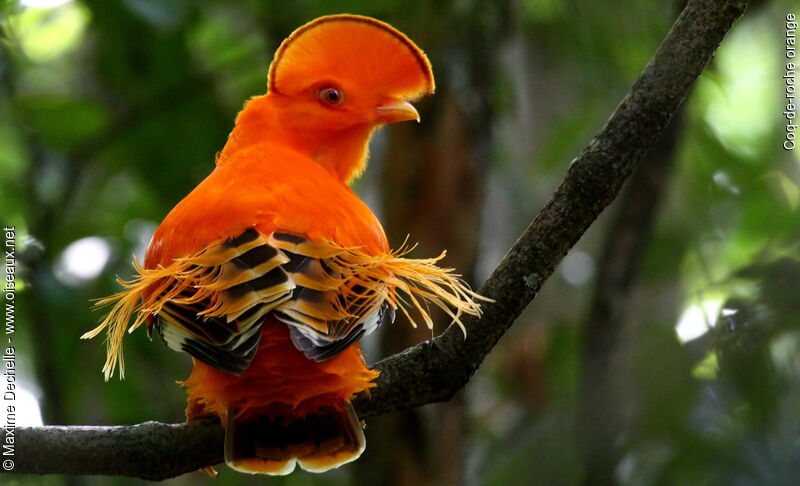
(436, 369)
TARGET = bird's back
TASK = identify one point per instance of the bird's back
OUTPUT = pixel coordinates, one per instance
(269, 188)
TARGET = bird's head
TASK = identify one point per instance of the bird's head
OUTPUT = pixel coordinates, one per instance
(337, 78)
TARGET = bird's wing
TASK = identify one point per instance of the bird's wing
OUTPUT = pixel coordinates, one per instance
(211, 304)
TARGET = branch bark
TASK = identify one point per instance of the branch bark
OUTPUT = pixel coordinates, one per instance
(435, 370)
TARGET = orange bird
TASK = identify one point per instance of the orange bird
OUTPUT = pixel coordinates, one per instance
(270, 271)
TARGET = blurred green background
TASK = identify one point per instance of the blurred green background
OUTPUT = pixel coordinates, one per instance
(665, 350)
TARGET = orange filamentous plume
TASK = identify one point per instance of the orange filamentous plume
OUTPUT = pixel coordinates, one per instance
(201, 278)
(270, 271)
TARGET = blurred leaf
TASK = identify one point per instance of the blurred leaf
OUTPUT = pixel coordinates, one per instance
(46, 33)
(12, 152)
(787, 186)
(61, 121)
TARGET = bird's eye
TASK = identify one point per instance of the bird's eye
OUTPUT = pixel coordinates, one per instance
(331, 96)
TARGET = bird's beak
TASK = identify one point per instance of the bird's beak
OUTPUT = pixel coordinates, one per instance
(396, 111)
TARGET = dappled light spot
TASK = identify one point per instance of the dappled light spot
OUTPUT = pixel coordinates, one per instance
(82, 260)
(785, 352)
(46, 32)
(29, 414)
(739, 101)
(43, 3)
(697, 319)
(723, 180)
(577, 268)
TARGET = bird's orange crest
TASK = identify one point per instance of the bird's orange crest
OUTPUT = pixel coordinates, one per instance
(351, 47)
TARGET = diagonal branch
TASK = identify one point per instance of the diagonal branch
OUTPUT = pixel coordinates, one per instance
(435, 370)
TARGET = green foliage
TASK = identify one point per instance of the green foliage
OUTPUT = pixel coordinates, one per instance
(63, 122)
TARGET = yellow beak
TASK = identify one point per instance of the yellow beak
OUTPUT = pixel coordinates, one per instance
(397, 111)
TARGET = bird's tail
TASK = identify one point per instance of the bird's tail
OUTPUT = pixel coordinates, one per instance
(268, 444)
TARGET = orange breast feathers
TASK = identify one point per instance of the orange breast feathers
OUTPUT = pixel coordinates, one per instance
(270, 271)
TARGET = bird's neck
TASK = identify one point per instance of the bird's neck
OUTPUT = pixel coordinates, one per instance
(264, 121)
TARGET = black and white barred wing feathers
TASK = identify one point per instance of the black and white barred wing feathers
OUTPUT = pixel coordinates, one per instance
(212, 304)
